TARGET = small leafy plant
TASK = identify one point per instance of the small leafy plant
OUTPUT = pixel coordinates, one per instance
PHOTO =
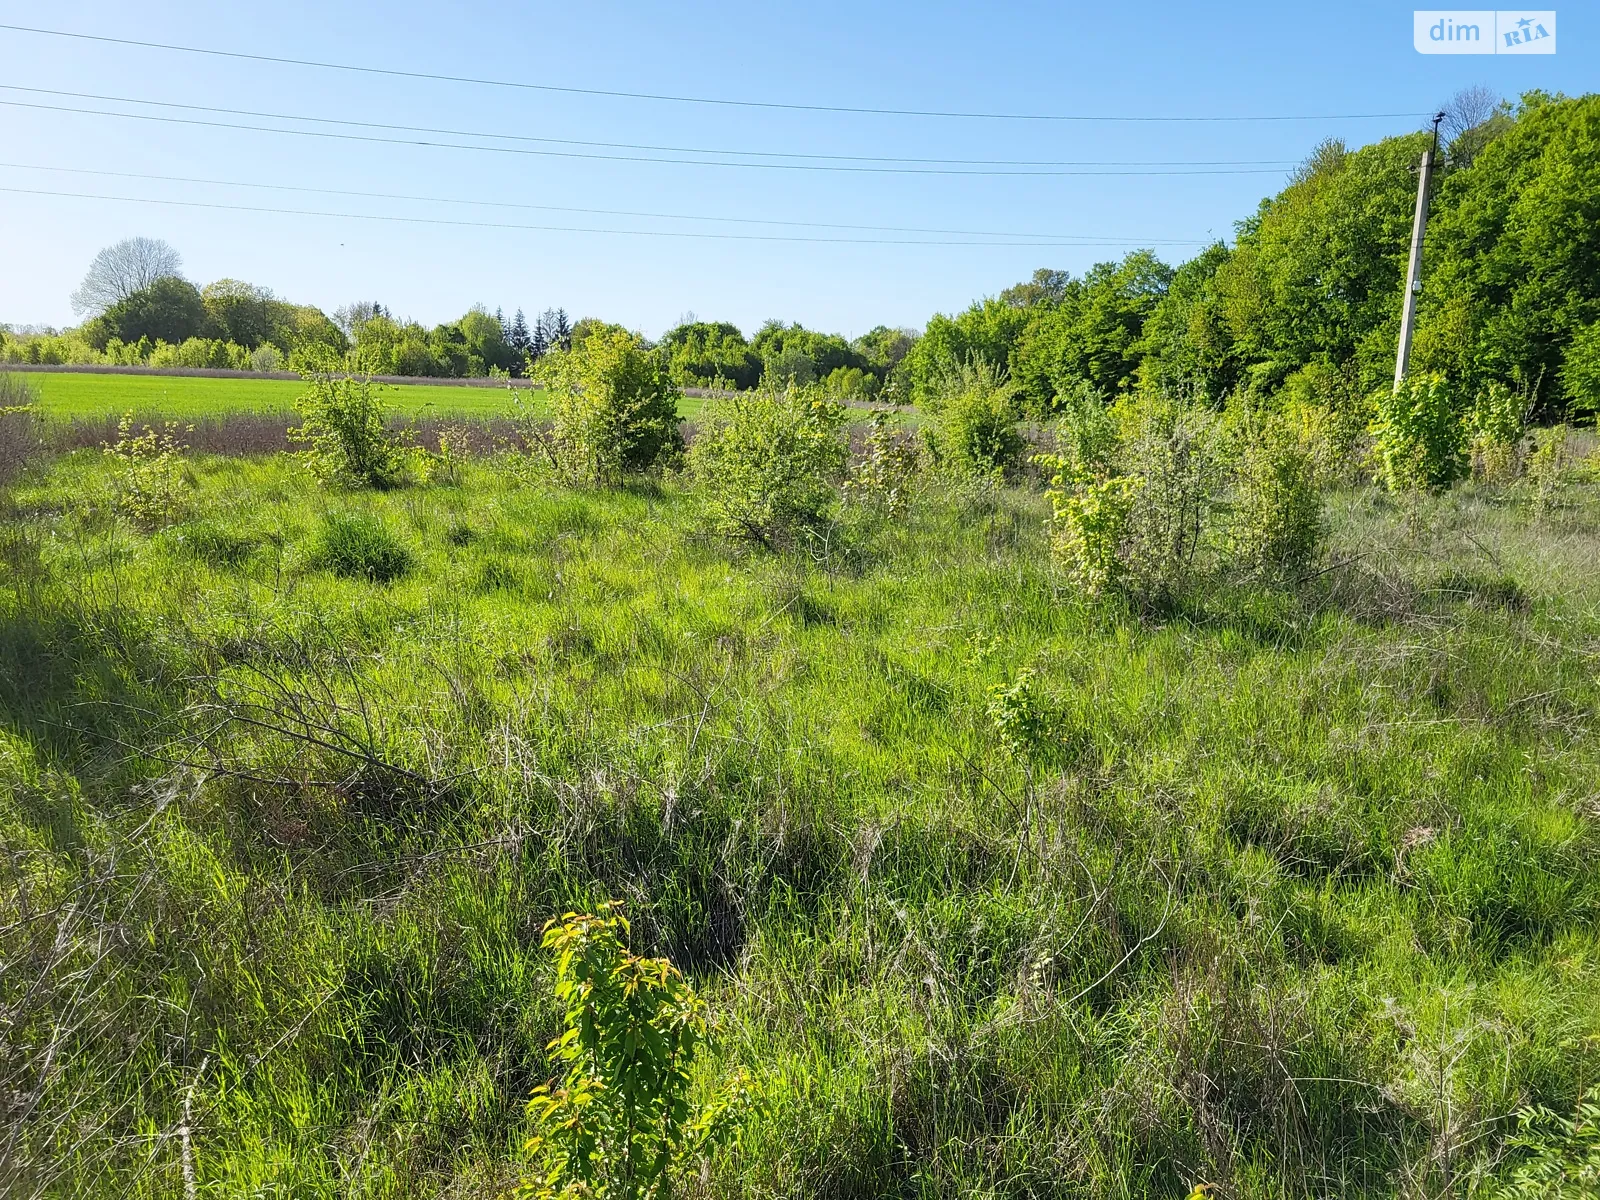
(1547, 470)
(1494, 432)
(446, 465)
(1418, 437)
(884, 478)
(344, 425)
(620, 1122)
(1089, 523)
(153, 479)
(1563, 1154)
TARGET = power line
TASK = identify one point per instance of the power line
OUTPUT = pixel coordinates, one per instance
(689, 162)
(674, 99)
(668, 233)
(551, 141)
(1059, 239)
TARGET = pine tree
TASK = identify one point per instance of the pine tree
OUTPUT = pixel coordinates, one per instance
(518, 339)
(539, 340)
(561, 330)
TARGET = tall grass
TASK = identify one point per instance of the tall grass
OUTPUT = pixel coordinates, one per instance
(1293, 893)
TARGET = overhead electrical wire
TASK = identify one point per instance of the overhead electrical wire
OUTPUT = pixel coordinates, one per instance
(667, 233)
(551, 141)
(523, 85)
(571, 154)
(1063, 239)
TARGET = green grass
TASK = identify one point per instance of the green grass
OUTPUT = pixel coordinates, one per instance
(64, 394)
(1297, 895)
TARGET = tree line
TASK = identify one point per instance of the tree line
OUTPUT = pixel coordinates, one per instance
(1305, 298)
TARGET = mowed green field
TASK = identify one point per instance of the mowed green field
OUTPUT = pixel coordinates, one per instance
(68, 395)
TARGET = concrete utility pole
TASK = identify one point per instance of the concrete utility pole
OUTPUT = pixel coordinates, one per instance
(1419, 227)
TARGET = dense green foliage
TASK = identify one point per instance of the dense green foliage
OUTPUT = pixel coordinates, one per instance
(974, 427)
(614, 411)
(169, 310)
(1418, 436)
(711, 354)
(1314, 280)
(768, 462)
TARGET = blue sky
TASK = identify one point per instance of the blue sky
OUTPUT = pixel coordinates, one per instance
(1106, 60)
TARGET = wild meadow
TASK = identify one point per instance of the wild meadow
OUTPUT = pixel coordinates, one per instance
(1159, 763)
(1233, 837)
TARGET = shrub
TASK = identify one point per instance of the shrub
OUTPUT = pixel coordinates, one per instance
(614, 408)
(1547, 469)
(1418, 435)
(1277, 527)
(1017, 715)
(1494, 432)
(851, 383)
(357, 547)
(1085, 433)
(620, 1122)
(883, 480)
(1089, 524)
(974, 430)
(266, 358)
(152, 478)
(344, 425)
(445, 465)
(767, 463)
(200, 352)
(1329, 415)
(1170, 447)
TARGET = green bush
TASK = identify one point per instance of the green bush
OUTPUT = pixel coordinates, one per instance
(1494, 432)
(768, 462)
(1085, 432)
(1329, 416)
(200, 352)
(357, 547)
(622, 1123)
(1547, 470)
(884, 478)
(1089, 523)
(614, 408)
(974, 430)
(1277, 528)
(153, 480)
(1170, 446)
(851, 383)
(344, 424)
(1418, 437)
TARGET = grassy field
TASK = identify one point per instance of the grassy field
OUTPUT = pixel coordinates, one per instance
(1297, 898)
(68, 395)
